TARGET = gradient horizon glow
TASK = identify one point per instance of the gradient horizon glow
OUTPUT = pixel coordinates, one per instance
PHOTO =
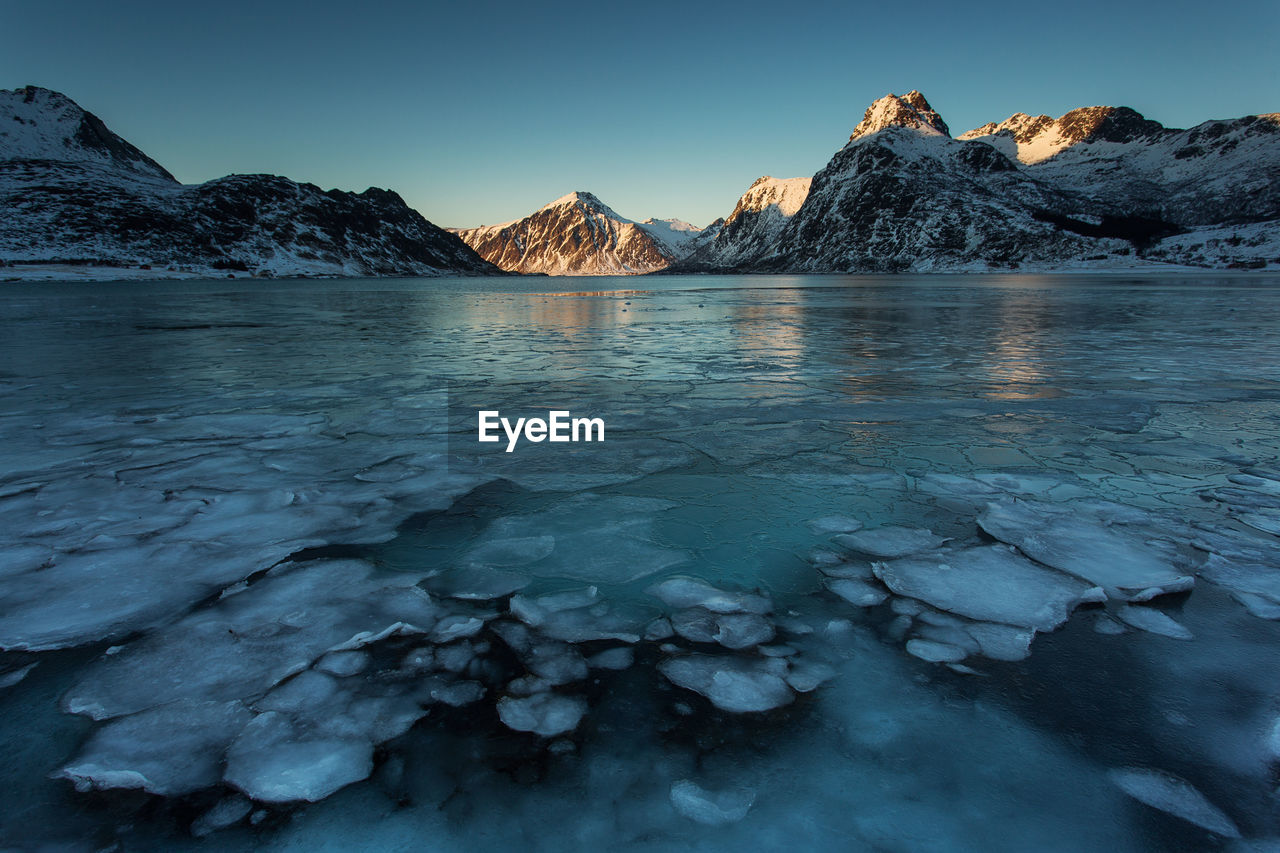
(482, 112)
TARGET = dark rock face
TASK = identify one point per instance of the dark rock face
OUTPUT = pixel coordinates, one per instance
(1098, 187)
(574, 235)
(75, 193)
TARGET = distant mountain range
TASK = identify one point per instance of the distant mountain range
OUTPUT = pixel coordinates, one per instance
(1097, 188)
(80, 202)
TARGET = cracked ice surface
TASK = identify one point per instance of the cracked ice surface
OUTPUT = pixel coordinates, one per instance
(955, 550)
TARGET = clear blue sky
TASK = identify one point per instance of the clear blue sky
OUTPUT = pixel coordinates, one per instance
(478, 112)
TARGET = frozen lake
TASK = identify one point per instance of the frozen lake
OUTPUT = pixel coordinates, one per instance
(980, 563)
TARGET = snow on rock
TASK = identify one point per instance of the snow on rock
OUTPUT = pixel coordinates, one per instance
(752, 229)
(738, 685)
(1128, 565)
(989, 584)
(545, 714)
(172, 750)
(83, 203)
(890, 541)
(910, 111)
(1175, 796)
(712, 808)
(577, 234)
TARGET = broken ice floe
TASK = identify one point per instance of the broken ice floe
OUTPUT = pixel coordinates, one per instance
(890, 541)
(545, 714)
(989, 584)
(616, 547)
(1127, 564)
(1174, 795)
(713, 808)
(1152, 621)
(736, 684)
(172, 750)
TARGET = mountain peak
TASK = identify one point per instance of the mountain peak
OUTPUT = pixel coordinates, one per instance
(41, 124)
(910, 110)
(1033, 139)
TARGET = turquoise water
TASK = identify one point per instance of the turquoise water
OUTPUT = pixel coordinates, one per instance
(162, 442)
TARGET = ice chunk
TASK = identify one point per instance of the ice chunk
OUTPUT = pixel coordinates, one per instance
(659, 629)
(616, 547)
(1127, 565)
(1253, 583)
(989, 583)
(857, 592)
(804, 676)
(275, 760)
(854, 571)
(556, 662)
(228, 811)
(1173, 795)
(171, 750)
(713, 808)
(455, 627)
(935, 652)
(731, 630)
(735, 684)
(344, 663)
(1154, 621)
(304, 692)
(248, 642)
(890, 541)
(833, 524)
(545, 714)
(684, 592)
(1001, 642)
(513, 551)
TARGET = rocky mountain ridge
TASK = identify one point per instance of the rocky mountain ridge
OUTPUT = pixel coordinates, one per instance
(578, 234)
(81, 202)
(1097, 188)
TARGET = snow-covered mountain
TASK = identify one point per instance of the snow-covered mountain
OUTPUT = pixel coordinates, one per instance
(81, 202)
(754, 227)
(1100, 187)
(578, 234)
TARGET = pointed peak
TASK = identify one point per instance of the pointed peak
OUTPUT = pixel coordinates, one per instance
(910, 110)
(41, 124)
(584, 199)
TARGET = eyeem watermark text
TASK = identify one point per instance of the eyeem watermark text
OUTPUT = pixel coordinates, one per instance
(559, 425)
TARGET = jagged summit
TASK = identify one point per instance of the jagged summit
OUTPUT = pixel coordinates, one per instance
(1039, 137)
(41, 124)
(786, 194)
(582, 197)
(909, 110)
(578, 234)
